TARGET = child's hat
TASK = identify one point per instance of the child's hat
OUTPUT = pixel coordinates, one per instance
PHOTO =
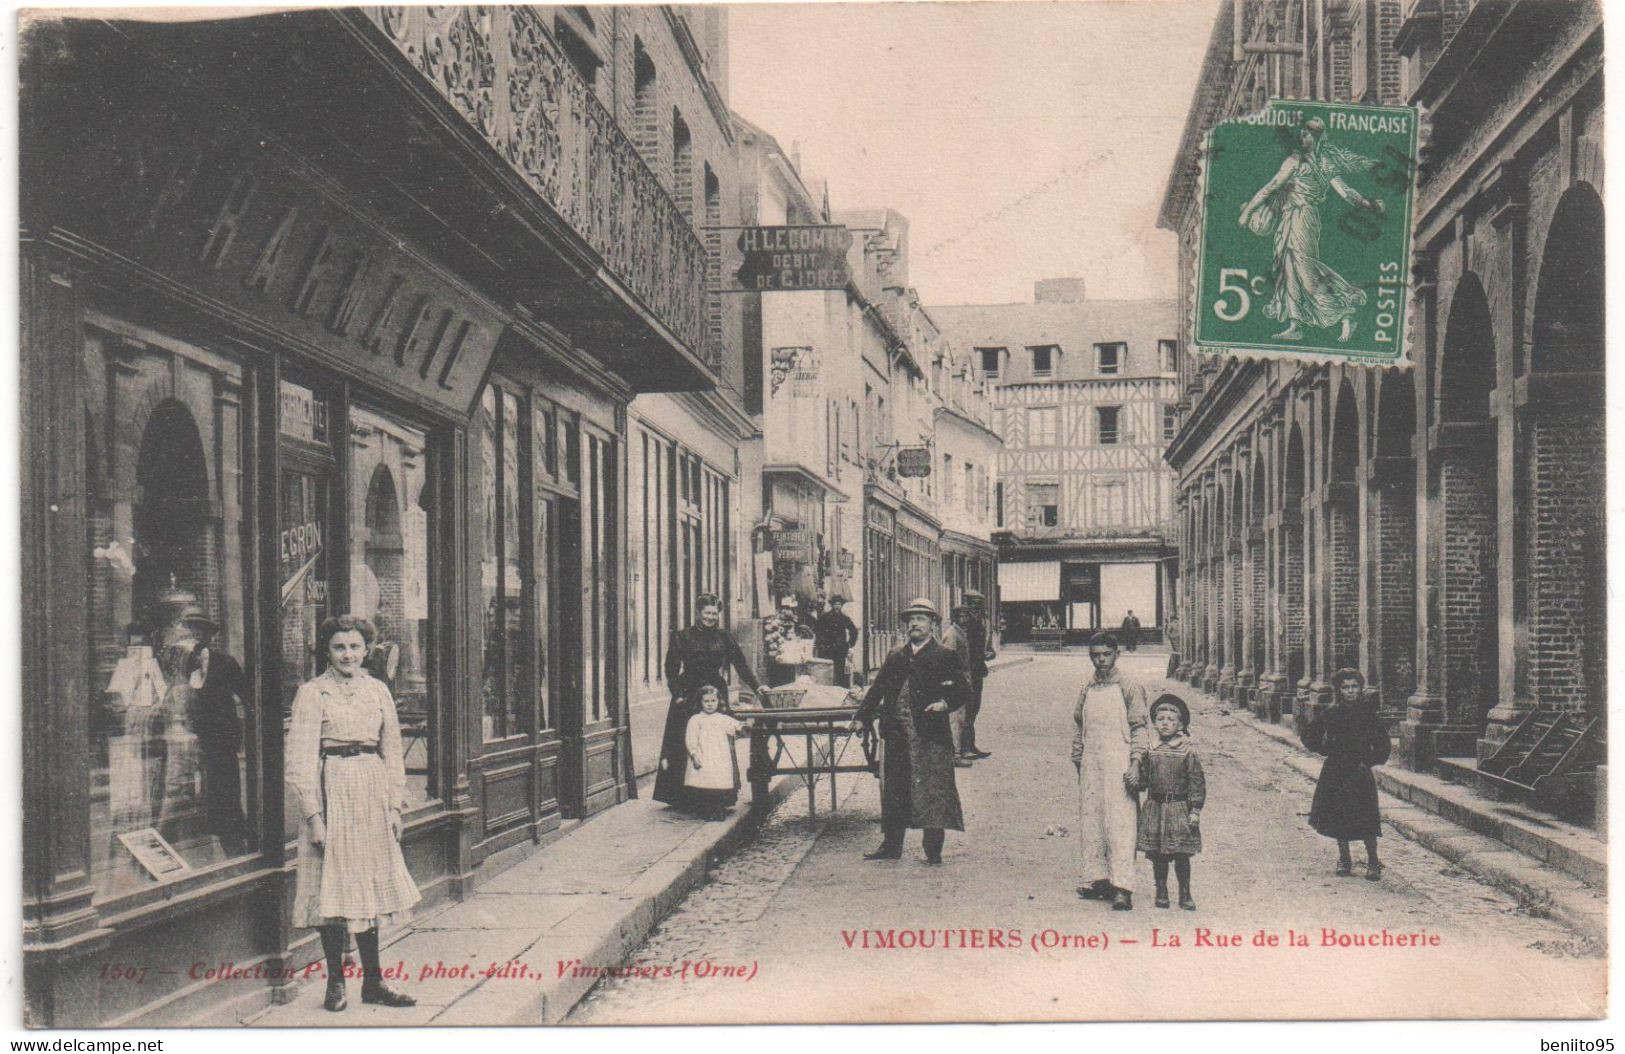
(1168, 699)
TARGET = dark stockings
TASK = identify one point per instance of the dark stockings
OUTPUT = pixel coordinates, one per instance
(1370, 851)
(333, 948)
(367, 944)
(1182, 871)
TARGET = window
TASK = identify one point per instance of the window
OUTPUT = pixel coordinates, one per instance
(1110, 358)
(646, 125)
(166, 544)
(1043, 504)
(1044, 360)
(998, 504)
(1041, 425)
(970, 489)
(682, 165)
(1170, 422)
(574, 29)
(947, 479)
(502, 569)
(1168, 352)
(990, 361)
(1107, 419)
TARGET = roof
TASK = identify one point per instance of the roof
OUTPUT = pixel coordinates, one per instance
(1069, 324)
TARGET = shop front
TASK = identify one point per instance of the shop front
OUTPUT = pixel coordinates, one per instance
(253, 398)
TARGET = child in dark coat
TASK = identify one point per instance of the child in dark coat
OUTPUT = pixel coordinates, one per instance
(1353, 740)
(1176, 790)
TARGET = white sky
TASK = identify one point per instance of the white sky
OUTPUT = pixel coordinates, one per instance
(1023, 140)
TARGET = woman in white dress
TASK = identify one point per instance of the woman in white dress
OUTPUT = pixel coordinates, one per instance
(346, 770)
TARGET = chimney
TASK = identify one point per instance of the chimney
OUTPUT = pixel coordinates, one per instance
(1058, 291)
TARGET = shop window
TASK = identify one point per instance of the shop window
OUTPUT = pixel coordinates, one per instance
(172, 770)
(502, 578)
(547, 549)
(390, 506)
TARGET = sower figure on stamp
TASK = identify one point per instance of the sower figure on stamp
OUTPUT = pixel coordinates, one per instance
(1107, 749)
(918, 686)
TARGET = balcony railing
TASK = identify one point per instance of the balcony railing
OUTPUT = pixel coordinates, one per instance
(503, 71)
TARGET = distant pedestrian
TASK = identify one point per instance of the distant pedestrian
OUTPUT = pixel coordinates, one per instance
(834, 636)
(1353, 740)
(1175, 791)
(982, 653)
(956, 638)
(1129, 633)
(711, 780)
(1107, 749)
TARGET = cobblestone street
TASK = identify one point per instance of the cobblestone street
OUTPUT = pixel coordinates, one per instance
(782, 923)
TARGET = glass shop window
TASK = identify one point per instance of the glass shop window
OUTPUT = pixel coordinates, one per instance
(391, 502)
(172, 759)
(502, 574)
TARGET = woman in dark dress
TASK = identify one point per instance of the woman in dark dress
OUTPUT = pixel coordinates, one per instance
(219, 691)
(1353, 740)
(699, 655)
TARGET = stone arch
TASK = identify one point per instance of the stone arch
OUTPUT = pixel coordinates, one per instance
(173, 537)
(1393, 532)
(1465, 489)
(1293, 550)
(1562, 529)
(1343, 532)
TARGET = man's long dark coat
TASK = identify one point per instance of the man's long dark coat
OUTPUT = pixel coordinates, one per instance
(917, 771)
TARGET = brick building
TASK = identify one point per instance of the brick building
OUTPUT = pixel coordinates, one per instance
(1439, 528)
(1083, 394)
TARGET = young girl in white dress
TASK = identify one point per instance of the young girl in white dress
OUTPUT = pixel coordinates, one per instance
(711, 783)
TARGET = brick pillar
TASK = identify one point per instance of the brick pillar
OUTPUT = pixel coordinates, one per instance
(1219, 569)
(1395, 580)
(1343, 578)
(1467, 582)
(1256, 663)
(1567, 585)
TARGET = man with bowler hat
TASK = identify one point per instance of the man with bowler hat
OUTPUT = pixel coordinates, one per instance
(918, 686)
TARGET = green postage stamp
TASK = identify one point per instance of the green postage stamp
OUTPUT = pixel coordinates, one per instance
(1306, 233)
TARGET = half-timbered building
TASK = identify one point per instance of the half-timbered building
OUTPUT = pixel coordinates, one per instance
(1082, 392)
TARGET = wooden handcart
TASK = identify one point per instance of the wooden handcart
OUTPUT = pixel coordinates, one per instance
(811, 741)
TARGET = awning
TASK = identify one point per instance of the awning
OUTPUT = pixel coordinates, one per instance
(1040, 581)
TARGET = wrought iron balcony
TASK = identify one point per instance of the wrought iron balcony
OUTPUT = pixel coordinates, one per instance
(503, 71)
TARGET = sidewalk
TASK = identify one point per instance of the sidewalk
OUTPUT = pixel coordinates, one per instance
(1555, 870)
(505, 955)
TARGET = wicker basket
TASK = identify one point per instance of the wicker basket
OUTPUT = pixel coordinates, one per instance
(785, 697)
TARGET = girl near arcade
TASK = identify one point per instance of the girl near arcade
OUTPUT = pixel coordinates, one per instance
(1353, 740)
(349, 779)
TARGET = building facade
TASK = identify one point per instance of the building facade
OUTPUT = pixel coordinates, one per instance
(1439, 527)
(345, 311)
(1083, 392)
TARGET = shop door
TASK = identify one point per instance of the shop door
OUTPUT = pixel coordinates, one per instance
(566, 678)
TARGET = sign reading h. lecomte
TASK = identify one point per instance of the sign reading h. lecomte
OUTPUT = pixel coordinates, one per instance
(793, 259)
(1306, 233)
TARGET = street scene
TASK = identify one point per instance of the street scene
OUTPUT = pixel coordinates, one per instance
(787, 904)
(813, 513)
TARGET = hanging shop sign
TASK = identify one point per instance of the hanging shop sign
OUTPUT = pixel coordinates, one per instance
(792, 259)
(793, 543)
(1306, 233)
(914, 461)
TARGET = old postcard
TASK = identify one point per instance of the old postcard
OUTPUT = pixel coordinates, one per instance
(813, 513)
